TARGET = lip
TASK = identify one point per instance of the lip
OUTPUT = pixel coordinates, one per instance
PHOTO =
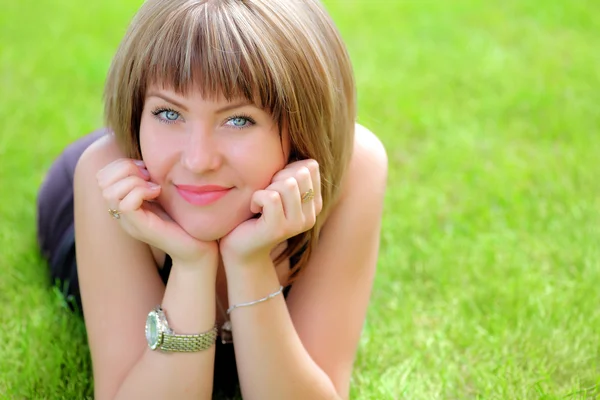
(202, 195)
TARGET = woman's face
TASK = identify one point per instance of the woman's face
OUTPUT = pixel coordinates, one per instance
(209, 158)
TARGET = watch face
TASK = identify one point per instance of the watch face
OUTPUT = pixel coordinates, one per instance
(153, 332)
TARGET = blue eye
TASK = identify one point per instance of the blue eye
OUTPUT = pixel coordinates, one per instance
(166, 115)
(171, 115)
(240, 122)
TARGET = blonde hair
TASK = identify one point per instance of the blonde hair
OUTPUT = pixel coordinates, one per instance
(285, 55)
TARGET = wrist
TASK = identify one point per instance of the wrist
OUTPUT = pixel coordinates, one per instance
(207, 262)
(189, 299)
(251, 281)
(252, 261)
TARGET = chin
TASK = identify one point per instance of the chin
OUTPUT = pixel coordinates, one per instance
(207, 226)
(208, 231)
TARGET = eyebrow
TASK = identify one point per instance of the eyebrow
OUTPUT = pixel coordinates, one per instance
(178, 104)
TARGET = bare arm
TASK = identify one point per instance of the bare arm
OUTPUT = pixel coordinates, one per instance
(305, 349)
(120, 285)
(189, 304)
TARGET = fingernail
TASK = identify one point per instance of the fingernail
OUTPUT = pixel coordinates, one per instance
(145, 172)
(139, 163)
(153, 185)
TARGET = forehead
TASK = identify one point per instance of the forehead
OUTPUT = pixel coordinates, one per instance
(194, 89)
(196, 96)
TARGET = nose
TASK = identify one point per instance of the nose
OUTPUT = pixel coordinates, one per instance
(201, 152)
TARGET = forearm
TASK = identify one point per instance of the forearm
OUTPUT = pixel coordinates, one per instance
(188, 303)
(271, 360)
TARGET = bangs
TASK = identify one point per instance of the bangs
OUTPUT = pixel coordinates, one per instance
(205, 48)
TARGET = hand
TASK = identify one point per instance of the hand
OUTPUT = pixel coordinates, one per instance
(282, 214)
(127, 188)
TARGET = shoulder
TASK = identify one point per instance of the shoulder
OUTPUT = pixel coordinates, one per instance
(365, 180)
(367, 144)
(96, 156)
(367, 168)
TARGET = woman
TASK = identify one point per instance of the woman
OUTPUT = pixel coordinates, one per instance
(231, 169)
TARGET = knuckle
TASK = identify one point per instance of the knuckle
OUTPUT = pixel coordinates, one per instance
(126, 167)
(102, 179)
(318, 207)
(124, 207)
(129, 201)
(303, 172)
(132, 169)
(107, 194)
(291, 183)
(134, 180)
(138, 191)
(256, 196)
(274, 197)
(312, 165)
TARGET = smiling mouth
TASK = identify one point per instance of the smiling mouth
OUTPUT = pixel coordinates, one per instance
(202, 195)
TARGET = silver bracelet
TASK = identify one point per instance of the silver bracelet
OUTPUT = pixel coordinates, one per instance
(251, 303)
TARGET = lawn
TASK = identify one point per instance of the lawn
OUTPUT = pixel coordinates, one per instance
(487, 284)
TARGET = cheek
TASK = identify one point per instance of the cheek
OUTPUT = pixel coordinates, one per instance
(154, 167)
(146, 136)
(155, 153)
(259, 160)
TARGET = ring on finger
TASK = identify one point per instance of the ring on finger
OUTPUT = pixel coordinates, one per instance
(308, 196)
(116, 214)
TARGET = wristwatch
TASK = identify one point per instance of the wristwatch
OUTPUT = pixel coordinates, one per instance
(160, 336)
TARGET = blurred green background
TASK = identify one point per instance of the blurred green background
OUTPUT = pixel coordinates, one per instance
(487, 284)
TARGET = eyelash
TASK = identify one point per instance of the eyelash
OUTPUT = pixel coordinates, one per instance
(156, 112)
(160, 110)
(243, 116)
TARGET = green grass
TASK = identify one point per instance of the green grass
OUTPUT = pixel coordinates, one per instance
(487, 286)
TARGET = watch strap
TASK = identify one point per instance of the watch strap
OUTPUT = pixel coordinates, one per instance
(189, 343)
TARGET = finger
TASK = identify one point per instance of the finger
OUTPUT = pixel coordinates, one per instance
(305, 183)
(315, 175)
(289, 192)
(268, 203)
(117, 191)
(136, 197)
(291, 170)
(119, 169)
